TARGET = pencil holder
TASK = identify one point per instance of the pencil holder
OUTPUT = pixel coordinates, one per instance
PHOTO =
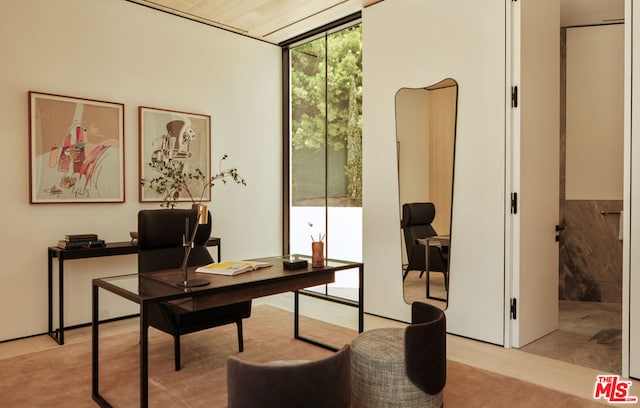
(317, 254)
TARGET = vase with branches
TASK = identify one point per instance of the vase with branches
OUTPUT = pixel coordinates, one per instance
(174, 182)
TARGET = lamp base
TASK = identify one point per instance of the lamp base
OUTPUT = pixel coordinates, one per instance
(191, 283)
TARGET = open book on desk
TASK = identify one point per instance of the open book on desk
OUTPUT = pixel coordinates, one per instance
(232, 267)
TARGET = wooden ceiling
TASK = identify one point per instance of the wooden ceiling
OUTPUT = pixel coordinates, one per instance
(273, 21)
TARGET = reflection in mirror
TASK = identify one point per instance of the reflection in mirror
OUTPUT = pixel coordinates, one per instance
(425, 137)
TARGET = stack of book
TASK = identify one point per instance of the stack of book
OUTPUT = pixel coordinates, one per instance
(80, 241)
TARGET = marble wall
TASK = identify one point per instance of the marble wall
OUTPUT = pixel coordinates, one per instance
(590, 251)
(590, 248)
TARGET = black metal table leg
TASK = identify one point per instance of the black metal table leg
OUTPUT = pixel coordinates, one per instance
(95, 354)
(50, 291)
(61, 298)
(361, 299)
(296, 314)
(144, 356)
(296, 326)
(56, 334)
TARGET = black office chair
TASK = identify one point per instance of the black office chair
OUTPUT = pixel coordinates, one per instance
(416, 224)
(160, 247)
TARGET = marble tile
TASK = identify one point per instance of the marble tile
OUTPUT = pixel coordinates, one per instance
(589, 335)
(590, 251)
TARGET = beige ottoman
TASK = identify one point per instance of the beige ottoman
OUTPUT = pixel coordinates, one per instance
(379, 375)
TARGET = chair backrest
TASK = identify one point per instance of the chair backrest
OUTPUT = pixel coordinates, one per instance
(324, 383)
(417, 219)
(416, 223)
(160, 235)
(426, 348)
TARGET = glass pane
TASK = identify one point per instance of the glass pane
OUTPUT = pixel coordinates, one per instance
(344, 55)
(326, 154)
(308, 153)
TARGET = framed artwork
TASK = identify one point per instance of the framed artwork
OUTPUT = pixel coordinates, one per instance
(179, 140)
(76, 150)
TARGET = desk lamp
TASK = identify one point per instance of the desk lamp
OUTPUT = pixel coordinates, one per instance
(201, 219)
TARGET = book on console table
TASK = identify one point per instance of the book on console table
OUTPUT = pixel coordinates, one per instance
(81, 237)
(232, 267)
(95, 243)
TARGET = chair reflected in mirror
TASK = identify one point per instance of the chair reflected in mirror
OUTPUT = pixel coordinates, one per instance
(426, 250)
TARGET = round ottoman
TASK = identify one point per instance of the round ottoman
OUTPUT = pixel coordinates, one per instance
(379, 374)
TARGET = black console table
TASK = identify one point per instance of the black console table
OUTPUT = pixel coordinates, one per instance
(110, 249)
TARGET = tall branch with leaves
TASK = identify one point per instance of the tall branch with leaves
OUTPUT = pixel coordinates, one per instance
(174, 183)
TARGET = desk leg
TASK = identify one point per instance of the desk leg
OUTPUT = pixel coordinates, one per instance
(94, 340)
(95, 354)
(428, 280)
(361, 299)
(144, 356)
(426, 263)
(57, 334)
(61, 298)
(50, 292)
(296, 315)
(296, 325)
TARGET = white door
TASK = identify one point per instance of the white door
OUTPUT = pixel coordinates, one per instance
(535, 171)
(416, 43)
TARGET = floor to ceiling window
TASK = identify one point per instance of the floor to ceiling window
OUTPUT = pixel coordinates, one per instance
(325, 155)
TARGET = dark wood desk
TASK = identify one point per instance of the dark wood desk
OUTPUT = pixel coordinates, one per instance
(110, 249)
(154, 287)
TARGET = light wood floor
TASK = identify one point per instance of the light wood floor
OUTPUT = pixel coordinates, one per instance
(547, 372)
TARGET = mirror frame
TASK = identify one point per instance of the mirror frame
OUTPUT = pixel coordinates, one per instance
(445, 83)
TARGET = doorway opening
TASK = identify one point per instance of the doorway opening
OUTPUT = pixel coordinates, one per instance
(591, 199)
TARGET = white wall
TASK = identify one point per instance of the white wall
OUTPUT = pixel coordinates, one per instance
(595, 57)
(415, 43)
(122, 52)
(412, 133)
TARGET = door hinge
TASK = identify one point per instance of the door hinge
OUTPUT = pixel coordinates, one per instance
(514, 96)
(514, 203)
(559, 229)
(514, 308)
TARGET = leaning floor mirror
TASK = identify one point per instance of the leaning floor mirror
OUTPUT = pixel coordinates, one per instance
(426, 139)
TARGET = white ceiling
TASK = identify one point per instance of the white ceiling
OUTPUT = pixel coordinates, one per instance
(275, 21)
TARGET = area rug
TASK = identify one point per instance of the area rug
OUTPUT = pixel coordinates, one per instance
(62, 376)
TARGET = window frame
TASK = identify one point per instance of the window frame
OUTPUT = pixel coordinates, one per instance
(337, 25)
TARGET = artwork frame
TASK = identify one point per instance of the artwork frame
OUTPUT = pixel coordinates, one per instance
(172, 135)
(88, 166)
